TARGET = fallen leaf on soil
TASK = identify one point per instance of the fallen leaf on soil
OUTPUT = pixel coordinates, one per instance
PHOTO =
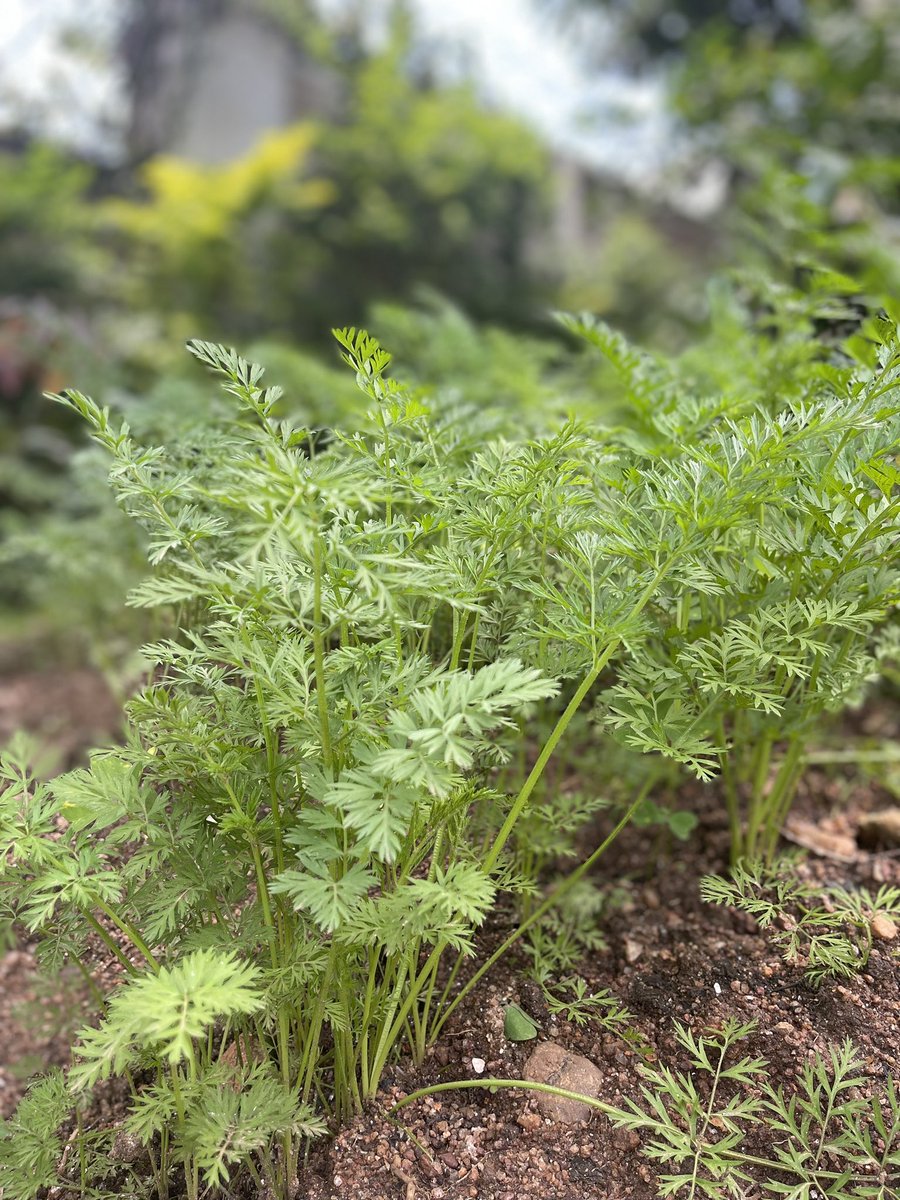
(880, 828)
(517, 1025)
(813, 837)
(550, 1063)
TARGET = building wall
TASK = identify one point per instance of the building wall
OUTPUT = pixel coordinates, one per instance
(208, 79)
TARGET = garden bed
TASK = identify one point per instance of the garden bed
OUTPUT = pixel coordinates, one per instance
(669, 958)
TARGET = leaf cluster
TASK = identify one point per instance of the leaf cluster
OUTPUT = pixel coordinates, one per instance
(826, 930)
(824, 1139)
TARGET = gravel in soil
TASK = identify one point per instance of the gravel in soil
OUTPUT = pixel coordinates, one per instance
(669, 957)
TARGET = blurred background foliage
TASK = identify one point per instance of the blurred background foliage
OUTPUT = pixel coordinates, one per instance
(395, 197)
(797, 101)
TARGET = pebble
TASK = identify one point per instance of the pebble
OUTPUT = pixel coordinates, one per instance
(550, 1063)
(883, 927)
(633, 950)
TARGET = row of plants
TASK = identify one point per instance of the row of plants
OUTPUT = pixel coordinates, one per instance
(373, 642)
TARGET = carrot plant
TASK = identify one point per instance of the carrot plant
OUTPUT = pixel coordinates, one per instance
(366, 633)
(738, 666)
(382, 639)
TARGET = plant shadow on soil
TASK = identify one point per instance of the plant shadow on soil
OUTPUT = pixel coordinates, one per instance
(669, 958)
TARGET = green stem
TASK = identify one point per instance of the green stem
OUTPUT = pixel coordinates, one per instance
(554, 898)
(707, 1117)
(392, 1029)
(544, 757)
(310, 1059)
(271, 764)
(548, 1089)
(262, 889)
(729, 786)
(889, 754)
(782, 796)
(756, 813)
(319, 655)
(563, 723)
(110, 943)
(460, 623)
(361, 1058)
(130, 932)
(620, 1115)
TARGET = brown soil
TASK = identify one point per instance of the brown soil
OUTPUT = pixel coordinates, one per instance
(669, 957)
(67, 712)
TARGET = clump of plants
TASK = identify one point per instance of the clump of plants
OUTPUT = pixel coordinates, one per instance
(362, 633)
(826, 930)
(737, 666)
(380, 641)
(722, 1128)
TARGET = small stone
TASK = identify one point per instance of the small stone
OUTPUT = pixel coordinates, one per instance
(553, 1065)
(633, 950)
(529, 1121)
(478, 1065)
(883, 927)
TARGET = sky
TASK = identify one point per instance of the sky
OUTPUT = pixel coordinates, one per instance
(519, 59)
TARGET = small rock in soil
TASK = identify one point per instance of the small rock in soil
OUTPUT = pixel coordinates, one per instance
(883, 927)
(633, 950)
(551, 1064)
